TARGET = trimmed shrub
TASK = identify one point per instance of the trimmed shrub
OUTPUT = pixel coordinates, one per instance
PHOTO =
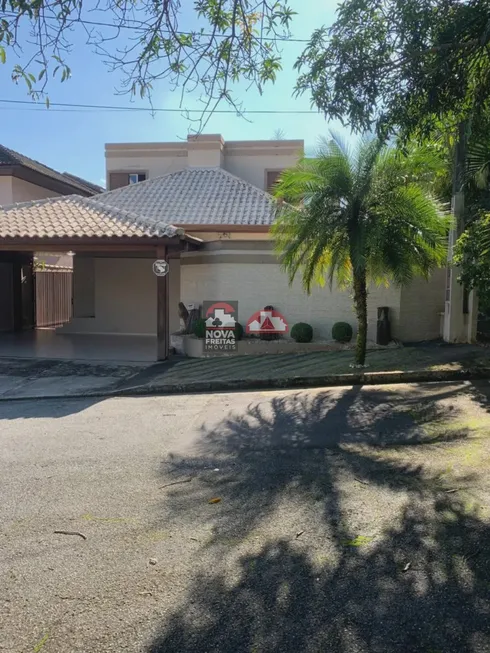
(342, 332)
(302, 332)
(238, 331)
(200, 328)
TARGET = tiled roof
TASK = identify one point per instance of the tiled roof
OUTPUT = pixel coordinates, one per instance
(200, 196)
(9, 157)
(72, 216)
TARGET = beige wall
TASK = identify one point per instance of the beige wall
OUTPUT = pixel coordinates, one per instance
(256, 285)
(24, 191)
(83, 287)
(211, 236)
(124, 296)
(252, 167)
(248, 160)
(422, 303)
(152, 164)
(6, 190)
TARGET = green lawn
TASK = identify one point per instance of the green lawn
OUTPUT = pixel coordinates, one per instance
(322, 363)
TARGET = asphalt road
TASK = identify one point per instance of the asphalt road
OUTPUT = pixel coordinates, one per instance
(343, 521)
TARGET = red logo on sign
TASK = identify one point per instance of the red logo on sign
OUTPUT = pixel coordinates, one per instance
(267, 321)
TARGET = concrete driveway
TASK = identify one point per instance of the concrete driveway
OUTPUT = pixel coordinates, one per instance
(350, 521)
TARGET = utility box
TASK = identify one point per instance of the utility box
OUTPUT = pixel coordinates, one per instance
(383, 329)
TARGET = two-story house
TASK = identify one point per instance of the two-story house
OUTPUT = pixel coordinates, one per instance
(203, 205)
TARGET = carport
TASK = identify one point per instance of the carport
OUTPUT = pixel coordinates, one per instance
(101, 239)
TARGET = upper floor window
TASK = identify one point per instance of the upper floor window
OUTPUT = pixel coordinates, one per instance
(120, 179)
(135, 177)
(271, 179)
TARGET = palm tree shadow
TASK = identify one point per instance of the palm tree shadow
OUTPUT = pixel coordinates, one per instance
(281, 602)
(422, 585)
(304, 443)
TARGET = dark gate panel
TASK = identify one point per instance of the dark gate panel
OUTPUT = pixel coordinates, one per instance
(53, 298)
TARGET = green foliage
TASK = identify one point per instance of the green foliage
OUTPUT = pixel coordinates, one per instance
(302, 332)
(200, 328)
(342, 332)
(354, 216)
(238, 331)
(390, 64)
(231, 40)
(472, 253)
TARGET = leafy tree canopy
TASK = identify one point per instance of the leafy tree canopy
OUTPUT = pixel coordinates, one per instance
(472, 253)
(400, 64)
(212, 45)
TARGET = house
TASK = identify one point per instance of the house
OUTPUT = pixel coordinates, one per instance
(203, 206)
(22, 180)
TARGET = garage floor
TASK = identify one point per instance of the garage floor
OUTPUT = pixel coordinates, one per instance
(46, 343)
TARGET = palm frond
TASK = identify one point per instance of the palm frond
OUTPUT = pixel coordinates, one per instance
(409, 235)
(367, 211)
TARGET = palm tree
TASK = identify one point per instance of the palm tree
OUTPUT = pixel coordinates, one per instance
(362, 216)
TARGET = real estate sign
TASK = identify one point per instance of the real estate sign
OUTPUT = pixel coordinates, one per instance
(221, 319)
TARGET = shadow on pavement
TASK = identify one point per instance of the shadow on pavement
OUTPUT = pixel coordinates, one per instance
(422, 585)
(51, 408)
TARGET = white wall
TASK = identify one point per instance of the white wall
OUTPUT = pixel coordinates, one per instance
(125, 297)
(6, 191)
(256, 285)
(24, 191)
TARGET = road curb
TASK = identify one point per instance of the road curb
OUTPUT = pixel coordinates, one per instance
(325, 380)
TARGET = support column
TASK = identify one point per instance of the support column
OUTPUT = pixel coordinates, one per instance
(454, 318)
(163, 331)
(460, 314)
(17, 291)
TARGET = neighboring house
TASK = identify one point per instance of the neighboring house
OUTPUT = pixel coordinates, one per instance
(203, 206)
(21, 180)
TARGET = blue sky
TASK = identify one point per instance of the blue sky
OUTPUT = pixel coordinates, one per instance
(74, 140)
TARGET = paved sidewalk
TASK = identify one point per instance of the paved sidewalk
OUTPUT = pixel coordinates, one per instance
(30, 378)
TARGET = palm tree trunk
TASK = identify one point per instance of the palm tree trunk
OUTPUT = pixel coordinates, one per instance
(360, 304)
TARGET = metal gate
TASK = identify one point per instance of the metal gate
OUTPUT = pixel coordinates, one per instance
(54, 292)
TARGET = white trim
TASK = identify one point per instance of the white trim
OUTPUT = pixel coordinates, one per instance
(221, 252)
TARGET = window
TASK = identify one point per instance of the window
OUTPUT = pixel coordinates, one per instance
(271, 178)
(135, 177)
(120, 179)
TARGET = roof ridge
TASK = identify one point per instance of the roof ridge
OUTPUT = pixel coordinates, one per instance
(45, 200)
(43, 169)
(114, 211)
(247, 184)
(188, 170)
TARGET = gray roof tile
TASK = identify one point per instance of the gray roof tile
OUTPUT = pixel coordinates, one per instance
(195, 196)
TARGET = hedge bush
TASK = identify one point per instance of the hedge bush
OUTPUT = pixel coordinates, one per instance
(342, 332)
(238, 331)
(302, 332)
(200, 328)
